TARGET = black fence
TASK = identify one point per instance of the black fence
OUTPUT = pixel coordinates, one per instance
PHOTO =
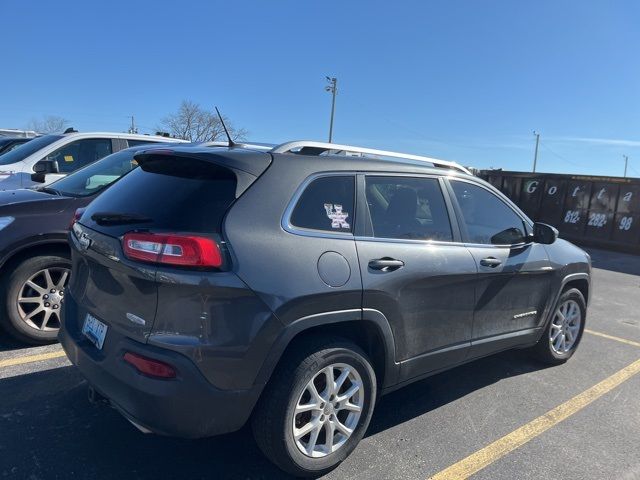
(598, 211)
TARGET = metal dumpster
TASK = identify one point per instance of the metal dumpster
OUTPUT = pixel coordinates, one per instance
(589, 210)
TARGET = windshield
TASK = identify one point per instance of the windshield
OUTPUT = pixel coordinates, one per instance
(23, 151)
(96, 176)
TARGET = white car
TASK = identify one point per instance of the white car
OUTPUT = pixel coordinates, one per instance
(51, 157)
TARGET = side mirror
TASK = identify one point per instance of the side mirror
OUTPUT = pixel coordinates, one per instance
(543, 233)
(42, 168)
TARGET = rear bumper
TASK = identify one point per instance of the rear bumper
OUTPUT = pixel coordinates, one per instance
(187, 406)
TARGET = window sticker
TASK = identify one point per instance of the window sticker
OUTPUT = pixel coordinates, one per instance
(68, 158)
(336, 215)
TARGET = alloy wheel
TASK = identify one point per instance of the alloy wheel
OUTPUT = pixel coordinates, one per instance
(328, 410)
(41, 297)
(565, 327)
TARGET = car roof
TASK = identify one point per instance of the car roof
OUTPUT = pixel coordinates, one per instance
(132, 136)
(4, 139)
(255, 159)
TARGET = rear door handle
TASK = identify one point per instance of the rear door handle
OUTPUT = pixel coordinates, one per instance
(490, 262)
(386, 264)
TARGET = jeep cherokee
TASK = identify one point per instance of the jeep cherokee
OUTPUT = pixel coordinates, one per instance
(291, 287)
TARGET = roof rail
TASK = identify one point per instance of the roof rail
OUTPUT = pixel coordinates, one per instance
(317, 148)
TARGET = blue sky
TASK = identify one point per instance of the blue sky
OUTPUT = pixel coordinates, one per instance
(461, 80)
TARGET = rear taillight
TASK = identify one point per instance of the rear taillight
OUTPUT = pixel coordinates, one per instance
(76, 216)
(149, 366)
(172, 249)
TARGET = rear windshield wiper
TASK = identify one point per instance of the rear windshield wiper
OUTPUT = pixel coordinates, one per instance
(109, 218)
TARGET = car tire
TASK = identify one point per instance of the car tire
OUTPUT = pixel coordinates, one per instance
(567, 323)
(18, 318)
(275, 421)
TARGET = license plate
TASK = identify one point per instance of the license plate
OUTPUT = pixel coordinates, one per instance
(94, 330)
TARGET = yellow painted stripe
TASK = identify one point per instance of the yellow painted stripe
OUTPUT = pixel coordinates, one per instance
(611, 337)
(9, 362)
(501, 447)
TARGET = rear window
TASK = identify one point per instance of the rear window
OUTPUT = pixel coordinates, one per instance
(326, 205)
(23, 151)
(167, 194)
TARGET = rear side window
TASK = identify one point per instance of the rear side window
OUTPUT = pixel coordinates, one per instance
(170, 194)
(407, 208)
(135, 143)
(327, 204)
(487, 219)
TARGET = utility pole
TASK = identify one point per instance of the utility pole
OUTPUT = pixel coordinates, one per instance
(535, 155)
(626, 162)
(132, 128)
(332, 87)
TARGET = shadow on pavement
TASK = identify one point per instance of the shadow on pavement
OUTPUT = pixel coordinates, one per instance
(49, 430)
(8, 344)
(430, 394)
(615, 261)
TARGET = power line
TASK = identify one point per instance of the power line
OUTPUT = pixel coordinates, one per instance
(634, 170)
(395, 123)
(553, 152)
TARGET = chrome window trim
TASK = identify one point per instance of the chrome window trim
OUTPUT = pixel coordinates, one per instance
(408, 240)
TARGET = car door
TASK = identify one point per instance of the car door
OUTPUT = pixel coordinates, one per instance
(514, 274)
(414, 270)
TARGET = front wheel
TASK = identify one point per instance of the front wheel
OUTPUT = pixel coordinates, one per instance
(562, 335)
(316, 408)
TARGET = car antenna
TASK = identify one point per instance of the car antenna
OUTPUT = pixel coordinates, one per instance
(231, 142)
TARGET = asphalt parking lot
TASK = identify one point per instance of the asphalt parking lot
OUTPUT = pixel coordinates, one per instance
(502, 417)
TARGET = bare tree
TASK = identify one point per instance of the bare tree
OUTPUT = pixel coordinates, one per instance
(196, 124)
(48, 124)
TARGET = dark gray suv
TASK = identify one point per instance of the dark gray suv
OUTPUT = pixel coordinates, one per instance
(293, 286)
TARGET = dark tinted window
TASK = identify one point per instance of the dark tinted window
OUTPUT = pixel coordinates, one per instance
(411, 208)
(170, 194)
(27, 149)
(486, 217)
(135, 143)
(10, 146)
(93, 178)
(326, 204)
(80, 153)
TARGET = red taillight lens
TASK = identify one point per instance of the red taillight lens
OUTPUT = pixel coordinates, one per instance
(172, 249)
(150, 367)
(76, 216)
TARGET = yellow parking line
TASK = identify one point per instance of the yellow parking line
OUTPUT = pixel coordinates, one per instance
(611, 337)
(501, 447)
(31, 358)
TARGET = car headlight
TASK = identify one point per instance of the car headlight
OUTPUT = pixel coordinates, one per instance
(5, 222)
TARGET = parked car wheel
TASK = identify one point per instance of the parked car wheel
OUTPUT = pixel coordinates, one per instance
(33, 295)
(317, 407)
(562, 335)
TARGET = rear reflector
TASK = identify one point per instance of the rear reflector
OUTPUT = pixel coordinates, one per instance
(172, 249)
(150, 367)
